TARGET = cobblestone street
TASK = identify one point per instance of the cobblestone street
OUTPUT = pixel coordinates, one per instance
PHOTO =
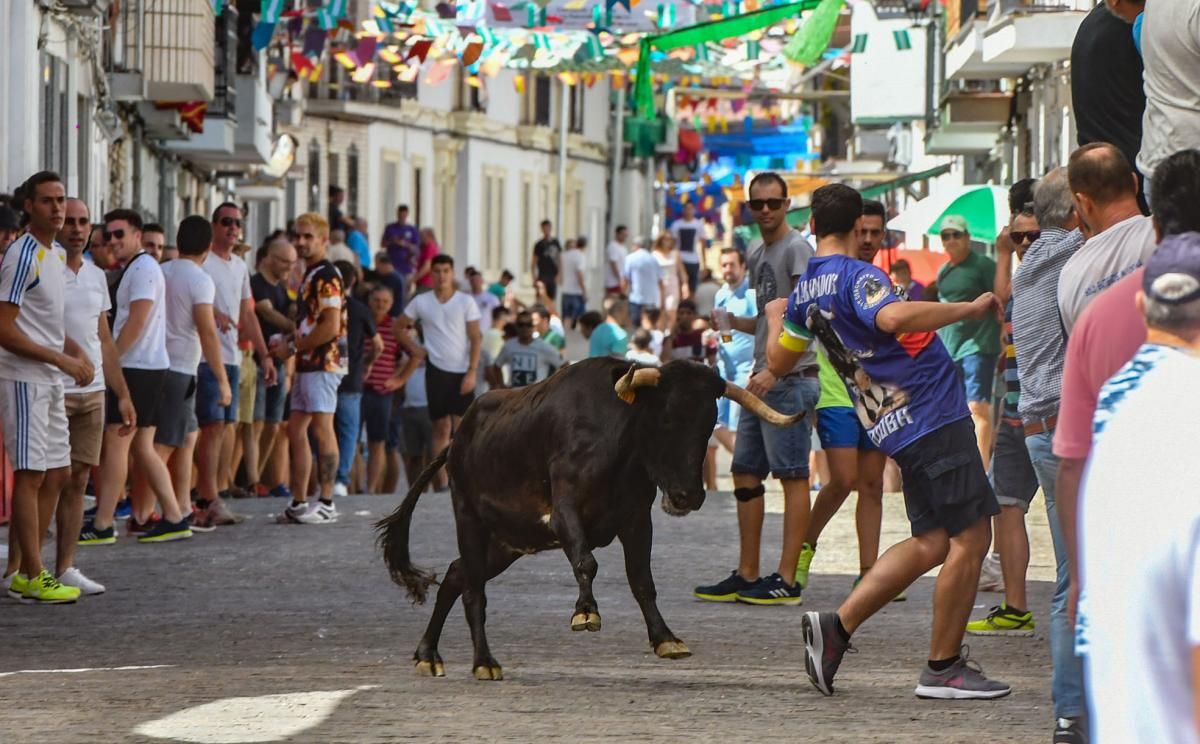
(293, 633)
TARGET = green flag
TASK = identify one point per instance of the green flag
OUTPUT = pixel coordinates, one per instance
(811, 41)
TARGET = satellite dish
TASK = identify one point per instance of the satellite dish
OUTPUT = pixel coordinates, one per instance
(283, 154)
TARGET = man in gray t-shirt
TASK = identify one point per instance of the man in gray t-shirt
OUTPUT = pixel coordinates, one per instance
(762, 449)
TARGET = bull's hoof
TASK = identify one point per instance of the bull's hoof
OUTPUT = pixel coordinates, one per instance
(488, 673)
(431, 669)
(585, 621)
(672, 650)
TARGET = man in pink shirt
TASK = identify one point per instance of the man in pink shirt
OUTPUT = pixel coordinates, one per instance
(1106, 336)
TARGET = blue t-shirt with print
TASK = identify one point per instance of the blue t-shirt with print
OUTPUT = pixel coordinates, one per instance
(905, 385)
(736, 356)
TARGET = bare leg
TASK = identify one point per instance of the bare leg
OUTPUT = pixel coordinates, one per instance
(843, 470)
(954, 593)
(750, 522)
(726, 438)
(249, 441)
(868, 516)
(327, 452)
(441, 438)
(1012, 541)
(225, 463)
(796, 506)
(376, 463)
(981, 414)
(25, 535)
(114, 468)
(140, 497)
(208, 460)
(70, 517)
(710, 469)
(300, 453)
(895, 570)
(158, 477)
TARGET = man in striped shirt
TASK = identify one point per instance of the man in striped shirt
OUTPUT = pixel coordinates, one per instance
(382, 380)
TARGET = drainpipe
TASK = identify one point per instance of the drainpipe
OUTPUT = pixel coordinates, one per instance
(561, 211)
(618, 147)
(141, 37)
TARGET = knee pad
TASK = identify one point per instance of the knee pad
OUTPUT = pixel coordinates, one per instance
(749, 494)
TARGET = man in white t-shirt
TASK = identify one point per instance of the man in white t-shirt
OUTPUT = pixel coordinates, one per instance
(1105, 191)
(692, 240)
(191, 333)
(574, 283)
(1170, 46)
(1139, 620)
(645, 280)
(529, 360)
(450, 324)
(34, 354)
(233, 309)
(86, 319)
(614, 261)
(141, 340)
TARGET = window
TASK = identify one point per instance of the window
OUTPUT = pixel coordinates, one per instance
(314, 177)
(541, 101)
(54, 114)
(352, 181)
(335, 173)
(578, 94)
(85, 149)
(417, 193)
(526, 206)
(493, 221)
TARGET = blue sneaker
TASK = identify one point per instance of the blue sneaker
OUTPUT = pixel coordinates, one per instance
(771, 590)
(124, 510)
(725, 590)
(282, 492)
(89, 513)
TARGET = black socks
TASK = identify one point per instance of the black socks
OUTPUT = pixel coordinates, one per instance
(941, 665)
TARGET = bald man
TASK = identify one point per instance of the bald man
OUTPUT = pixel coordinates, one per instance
(274, 309)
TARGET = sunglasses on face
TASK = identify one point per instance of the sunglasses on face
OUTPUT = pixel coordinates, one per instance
(118, 234)
(756, 205)
(1019, 236)
(952, 234)
(73, 221)
(525, 325)
(230, 222)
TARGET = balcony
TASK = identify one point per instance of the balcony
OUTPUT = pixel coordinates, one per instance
(1031, 32)
(162, 50)
(969, 122)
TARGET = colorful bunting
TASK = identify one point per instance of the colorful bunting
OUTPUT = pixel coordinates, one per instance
(260, 38)
(811, 41)
(329, 16)
(501, 14)
(270, 10)
(419, 50)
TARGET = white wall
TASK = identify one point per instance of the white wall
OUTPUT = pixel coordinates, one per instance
(888, 83)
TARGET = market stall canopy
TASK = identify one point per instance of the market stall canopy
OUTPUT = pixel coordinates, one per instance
(985, 208)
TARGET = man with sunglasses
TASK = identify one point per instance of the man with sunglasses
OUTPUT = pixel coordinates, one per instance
(141, 341)
(774, 263)
(973, 343)
(233, 308)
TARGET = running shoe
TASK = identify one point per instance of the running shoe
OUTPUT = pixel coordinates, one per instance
(321, 513)
(74, 577)
(124, 509)
(45, 589)
(134, 527)
(770, 590)
(220, 514)
(93, 535)
(725, 590)
(260, 491)
(991, 578)
(282, 492)
(823, 649)
(198, 520)
(1070, 731)
(340, 489)
(901, 597)
(15, 585)
(164, 531)
(806, 555)
(964, 680)
(1003, 621)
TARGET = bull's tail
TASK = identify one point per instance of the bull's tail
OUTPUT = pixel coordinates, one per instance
(393, 537)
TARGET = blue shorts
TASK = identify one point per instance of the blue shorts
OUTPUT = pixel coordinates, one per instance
(573, 306)
(978, 373)
(269, 402)
(208, 395)
(839, 428)
(765, 449)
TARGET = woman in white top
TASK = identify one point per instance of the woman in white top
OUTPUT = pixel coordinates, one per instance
(675, 286)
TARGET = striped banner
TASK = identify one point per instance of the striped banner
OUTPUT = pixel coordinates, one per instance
(271, 9)
(903, 43)
(328, 16)
(666, 15)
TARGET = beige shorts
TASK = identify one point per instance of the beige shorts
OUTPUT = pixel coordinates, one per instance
(247, 384)
(85, 420)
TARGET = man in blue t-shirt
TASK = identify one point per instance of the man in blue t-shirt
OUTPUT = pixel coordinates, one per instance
(909, 399)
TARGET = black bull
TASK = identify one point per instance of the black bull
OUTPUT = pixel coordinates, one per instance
(571, 462)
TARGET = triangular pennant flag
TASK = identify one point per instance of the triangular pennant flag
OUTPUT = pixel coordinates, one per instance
(445, 10)
(270, 10)
(501, 14)
(471, 54)
(666, 15)
(519, 84)
(753, 49)
(488, 36)
(623, 3)
(811, 41)
(301, 64)
(295, 24)
(314, 42)
(419, 50)
(535, 17)
(365, 51)
(260, 39)
(218, 7)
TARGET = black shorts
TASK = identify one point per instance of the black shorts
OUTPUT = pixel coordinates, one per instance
(945, 486)
(551, 284)
(442, 388)
(177, 410)
(145, 390)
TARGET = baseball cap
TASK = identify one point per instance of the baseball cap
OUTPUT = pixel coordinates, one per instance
(9, 219)
(1177, 256)
(954, 222)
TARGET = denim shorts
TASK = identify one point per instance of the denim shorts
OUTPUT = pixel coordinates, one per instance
(1013, 475)
(269, 402)
(763, 449)
(377, 415)
(208, 396)
(839, 428)
(978, 373)
(573, 306)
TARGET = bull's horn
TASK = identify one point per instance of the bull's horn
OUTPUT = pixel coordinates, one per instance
(758, 407)
(634, 379)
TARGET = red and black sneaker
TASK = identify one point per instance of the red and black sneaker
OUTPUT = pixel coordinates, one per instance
(134, 527)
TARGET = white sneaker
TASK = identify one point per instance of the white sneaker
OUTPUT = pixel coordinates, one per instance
(991, 577)
(340, 490)
(319, 514)
(74, 577)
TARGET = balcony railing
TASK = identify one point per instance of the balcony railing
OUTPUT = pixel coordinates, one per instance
(1009, 7)
(169, 43)
(959, 13)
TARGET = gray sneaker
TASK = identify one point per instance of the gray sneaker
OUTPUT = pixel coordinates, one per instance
(964, 680)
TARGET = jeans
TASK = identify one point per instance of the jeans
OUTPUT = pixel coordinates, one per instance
(1066, 682)
(346, 424)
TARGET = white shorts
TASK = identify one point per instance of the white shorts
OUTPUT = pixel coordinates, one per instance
(36, 434)
(316, 392)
